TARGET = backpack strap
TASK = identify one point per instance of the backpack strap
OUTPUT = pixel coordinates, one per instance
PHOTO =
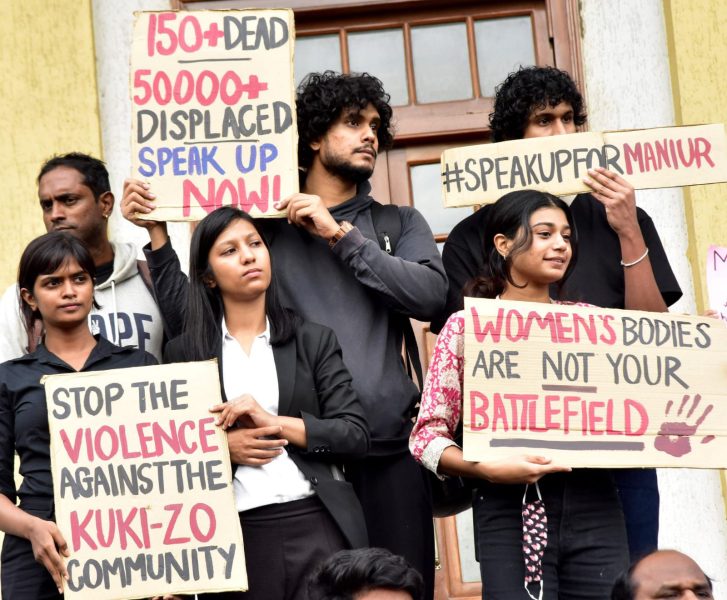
(387, 226)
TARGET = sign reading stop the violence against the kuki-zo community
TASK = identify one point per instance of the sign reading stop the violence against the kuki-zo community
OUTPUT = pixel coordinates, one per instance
(142, 482)
(646, 158)
(589, 387)
(213, 110)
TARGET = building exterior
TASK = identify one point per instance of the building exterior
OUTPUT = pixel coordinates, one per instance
(642, 64)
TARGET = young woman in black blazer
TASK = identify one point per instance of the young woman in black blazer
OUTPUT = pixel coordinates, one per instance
(55, 279)
(295, 414)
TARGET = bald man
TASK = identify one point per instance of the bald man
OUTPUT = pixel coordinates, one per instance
(663, 574)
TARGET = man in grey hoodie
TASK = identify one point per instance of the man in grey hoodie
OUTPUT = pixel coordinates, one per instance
(331, 270)
(75, 196)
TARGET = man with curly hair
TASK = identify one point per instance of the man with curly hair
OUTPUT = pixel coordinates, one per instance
(621, 262)
(335, 272)
(332, 270)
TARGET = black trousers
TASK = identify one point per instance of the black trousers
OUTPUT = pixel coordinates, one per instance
(396, 499)
(587, 546)
(23, 577)
(639, 493)
(283, 544)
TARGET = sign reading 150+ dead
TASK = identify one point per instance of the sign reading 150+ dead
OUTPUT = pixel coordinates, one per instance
(589, 387)
(213, 104)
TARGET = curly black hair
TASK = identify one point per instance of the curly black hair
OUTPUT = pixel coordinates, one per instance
(322, 97)
(529, 89)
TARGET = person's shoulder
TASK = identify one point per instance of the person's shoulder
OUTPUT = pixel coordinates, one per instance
(454, 324)
(642, 216)
(310, 329)
(473, 224)
(130, 356)
(310, 335)
(271, 225)
(175, 349)
(586, 202)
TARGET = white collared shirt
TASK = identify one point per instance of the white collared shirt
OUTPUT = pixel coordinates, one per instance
(280, 480)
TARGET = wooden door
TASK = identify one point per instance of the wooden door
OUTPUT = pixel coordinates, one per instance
(440, 62)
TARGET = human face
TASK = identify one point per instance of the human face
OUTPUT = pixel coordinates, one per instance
(350, 146)
(670, 574)
(546, 259)
(69, 205)
(63, 298)
(240, 263)
(550, 120)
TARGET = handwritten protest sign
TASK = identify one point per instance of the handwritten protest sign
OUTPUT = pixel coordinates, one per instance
(213, 105)
(594, 388)
(647, 158)
(717, 280)
(142, 482)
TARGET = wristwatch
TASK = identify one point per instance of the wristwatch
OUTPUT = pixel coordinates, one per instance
(343, 228)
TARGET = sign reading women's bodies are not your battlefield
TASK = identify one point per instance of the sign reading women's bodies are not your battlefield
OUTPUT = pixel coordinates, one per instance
(646, 158)
(213, 110)
(589, 387)
(142, 483)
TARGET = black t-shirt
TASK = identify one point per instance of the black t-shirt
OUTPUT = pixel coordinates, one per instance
(24, 414)
(103, 272)
(598, 276)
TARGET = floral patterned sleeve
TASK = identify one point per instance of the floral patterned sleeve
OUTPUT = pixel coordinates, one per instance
(441, 405)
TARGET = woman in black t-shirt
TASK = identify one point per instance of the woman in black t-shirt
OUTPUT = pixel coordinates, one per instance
(55, 279)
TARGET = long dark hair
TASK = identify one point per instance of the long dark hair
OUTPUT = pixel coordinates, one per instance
(203, 318)
(44, 255)
(510, 216)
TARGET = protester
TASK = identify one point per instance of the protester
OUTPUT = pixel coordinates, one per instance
(529, 245)
(332, 270)
(622, 262)
(663, 574)
(75, 196)
(292, 397)
(367, 574)
(55, 279)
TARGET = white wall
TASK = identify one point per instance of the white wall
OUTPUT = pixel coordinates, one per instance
(112, 32)
(628, 86)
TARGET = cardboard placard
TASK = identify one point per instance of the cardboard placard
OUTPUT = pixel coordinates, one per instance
(590, 387)
(142, 482)
(646, 158)
(213, 110)
(717, 280)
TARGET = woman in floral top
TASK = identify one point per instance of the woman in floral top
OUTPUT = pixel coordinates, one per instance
(564, 536)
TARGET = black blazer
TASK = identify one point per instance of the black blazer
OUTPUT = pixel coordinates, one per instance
(315, 385)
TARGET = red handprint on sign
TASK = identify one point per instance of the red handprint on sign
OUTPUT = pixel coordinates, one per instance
(674, 436)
